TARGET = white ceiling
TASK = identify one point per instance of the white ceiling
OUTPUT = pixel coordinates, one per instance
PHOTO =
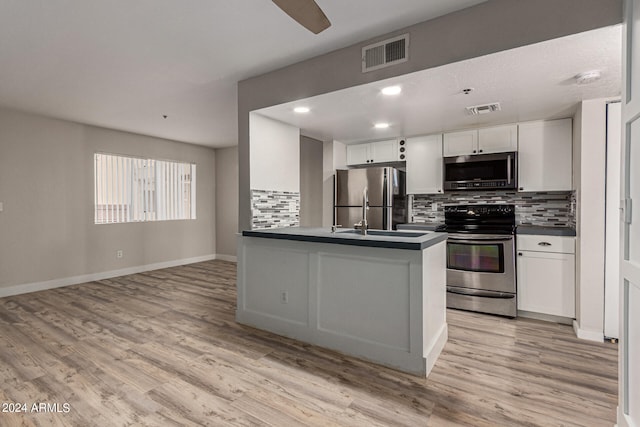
(532, 82)
(124, 64)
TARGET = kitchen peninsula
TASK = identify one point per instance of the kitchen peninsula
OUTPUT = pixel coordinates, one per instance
(380, 297)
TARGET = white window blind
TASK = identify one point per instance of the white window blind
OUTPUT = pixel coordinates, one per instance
(131, 189)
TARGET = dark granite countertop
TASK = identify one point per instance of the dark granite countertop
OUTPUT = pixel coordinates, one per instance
(412, 240)
(418, 226)
(545, 231)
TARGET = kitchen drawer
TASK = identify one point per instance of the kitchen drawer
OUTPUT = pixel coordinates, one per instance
(538, 243)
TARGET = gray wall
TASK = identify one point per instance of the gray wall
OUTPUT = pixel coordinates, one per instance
(226, 201)
(489, 27)
(311, 157)
(46, 185)
(276, 155)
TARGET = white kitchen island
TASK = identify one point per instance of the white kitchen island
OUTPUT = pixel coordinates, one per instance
(377, 297)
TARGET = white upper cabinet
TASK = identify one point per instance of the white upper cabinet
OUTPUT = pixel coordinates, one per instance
(545, 156)
(497, 139)
(424, 164)
(460, 143)
(384, 151)
(373, 152)
(357, 154)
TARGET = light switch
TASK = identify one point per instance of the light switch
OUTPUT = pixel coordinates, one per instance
(1, 206)
(434, 206)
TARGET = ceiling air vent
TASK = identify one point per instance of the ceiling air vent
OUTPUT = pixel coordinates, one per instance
(385, 53)
(483, 109)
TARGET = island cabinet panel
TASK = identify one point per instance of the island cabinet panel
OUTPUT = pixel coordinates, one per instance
(386, 305)
(349, 300)
(269, 291)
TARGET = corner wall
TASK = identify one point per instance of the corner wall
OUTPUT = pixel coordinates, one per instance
(311, 183)
(226, 202)
(47, 225)
(275, 175)
(590, 151)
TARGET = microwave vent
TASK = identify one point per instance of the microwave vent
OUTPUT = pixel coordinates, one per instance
(483, 109)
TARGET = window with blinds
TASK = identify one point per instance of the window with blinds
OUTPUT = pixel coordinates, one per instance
(131, 189)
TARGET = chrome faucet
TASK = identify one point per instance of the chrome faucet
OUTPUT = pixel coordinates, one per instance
(362, 225)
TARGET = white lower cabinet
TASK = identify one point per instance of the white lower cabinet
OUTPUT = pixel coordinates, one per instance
(546, 275)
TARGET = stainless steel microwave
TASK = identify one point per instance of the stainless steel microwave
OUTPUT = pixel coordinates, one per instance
(496, 171)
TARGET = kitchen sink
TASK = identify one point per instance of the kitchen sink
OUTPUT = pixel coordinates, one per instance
(387, 233)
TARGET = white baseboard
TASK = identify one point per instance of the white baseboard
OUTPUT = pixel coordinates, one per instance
(75, 280)
(585, 334)
(546, 317)
(432, 353)
(230, 258)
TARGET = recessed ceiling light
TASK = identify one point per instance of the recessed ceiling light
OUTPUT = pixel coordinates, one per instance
(381, 125)
(301, 109)
(391, 90)
(587, 77)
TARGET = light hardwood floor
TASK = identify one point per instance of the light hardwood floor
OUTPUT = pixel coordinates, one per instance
(162, 349)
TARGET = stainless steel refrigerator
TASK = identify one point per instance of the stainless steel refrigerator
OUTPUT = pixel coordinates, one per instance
(387, 197)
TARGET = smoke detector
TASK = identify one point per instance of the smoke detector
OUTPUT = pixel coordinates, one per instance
(587, 77)
(483, 109)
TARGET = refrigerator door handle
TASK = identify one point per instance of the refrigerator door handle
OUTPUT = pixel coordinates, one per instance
(388, 198)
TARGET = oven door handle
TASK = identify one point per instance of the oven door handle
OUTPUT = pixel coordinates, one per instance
(481, 239)
(480, 293)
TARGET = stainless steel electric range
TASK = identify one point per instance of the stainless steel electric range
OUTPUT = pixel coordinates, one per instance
(481, 268)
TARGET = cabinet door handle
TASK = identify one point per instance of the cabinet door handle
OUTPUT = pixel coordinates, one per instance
(519, 253)
(480, 151)
(474, 151)
(544, 244)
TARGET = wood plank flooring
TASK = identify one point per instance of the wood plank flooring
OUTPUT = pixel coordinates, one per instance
(162, 349)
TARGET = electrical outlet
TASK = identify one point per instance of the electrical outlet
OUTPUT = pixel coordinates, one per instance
(284, 297)
(119, 254)
(434, 206)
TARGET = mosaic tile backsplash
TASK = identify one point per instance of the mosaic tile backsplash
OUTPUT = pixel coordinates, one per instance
(550, 209)
(274, 209)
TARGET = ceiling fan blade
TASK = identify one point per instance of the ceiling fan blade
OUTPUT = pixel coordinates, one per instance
(306, 12)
